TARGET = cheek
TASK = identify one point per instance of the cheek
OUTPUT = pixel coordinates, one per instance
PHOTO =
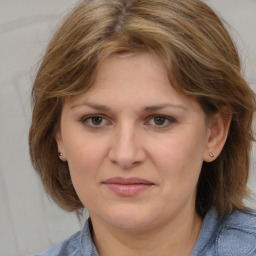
(84, 165)
(85, 156)
(178, 166)
(180, 156)
(84, 159)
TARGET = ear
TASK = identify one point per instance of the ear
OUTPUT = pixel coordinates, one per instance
(218, 133)
(60, 146)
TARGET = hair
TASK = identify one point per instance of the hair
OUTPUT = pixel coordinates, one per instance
(202, 62)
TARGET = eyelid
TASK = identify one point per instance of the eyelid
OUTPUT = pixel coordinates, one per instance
(168, 118)
(87, 117)
(162, 115)
(107, 121)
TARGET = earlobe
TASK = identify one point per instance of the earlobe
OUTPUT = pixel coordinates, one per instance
(218, 133)
(60, 153)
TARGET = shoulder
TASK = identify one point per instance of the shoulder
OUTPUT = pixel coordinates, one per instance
(233, 235)
(244, 220)
(237, 234)
(79, 244)
(69, 246)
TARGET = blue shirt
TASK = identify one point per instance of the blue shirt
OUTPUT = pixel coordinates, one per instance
(234, 235)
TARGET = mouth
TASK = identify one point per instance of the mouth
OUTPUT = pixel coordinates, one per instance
(128, 186)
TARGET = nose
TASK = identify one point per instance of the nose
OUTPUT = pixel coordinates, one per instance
(126, 149)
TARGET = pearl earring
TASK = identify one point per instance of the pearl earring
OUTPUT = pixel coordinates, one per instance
(211, 154)
(60, 154)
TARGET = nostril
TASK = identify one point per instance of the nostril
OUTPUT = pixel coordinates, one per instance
(127, 160)
(125, 150)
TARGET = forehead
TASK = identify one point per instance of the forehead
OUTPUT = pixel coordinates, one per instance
(130, 72)
(132, 81)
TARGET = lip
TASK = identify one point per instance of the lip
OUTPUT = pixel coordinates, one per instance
(128, 186)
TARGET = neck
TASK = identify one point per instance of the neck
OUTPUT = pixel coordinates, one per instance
(167, 240)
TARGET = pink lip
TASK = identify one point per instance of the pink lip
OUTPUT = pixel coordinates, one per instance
(128, 186)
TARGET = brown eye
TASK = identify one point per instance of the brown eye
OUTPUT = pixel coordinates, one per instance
(159, 120)
(97, 120)
(94, 121)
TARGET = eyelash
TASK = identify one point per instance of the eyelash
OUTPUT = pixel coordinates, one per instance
(85, 120)
(168, 119)
(88, 119)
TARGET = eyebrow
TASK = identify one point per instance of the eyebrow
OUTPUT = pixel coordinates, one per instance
(145, 109)
(161, 106)
(92, 105)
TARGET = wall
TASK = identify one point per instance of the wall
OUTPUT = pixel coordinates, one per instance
(29, 221)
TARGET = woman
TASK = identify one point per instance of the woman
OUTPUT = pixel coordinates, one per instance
(142, 116)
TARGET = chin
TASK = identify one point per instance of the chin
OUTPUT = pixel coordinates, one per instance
(131, 219)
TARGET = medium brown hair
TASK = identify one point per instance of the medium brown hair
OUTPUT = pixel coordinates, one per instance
(202, 62)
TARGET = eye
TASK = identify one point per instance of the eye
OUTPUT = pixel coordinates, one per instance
(160, 121)
(94, 121)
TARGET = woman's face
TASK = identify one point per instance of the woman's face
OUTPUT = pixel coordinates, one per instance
(134, 145)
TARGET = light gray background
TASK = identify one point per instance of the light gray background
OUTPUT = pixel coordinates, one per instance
(29, 221)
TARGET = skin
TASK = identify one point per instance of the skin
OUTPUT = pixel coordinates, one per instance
(132, 123)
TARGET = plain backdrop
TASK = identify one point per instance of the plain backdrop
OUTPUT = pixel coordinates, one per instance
(29, 221)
